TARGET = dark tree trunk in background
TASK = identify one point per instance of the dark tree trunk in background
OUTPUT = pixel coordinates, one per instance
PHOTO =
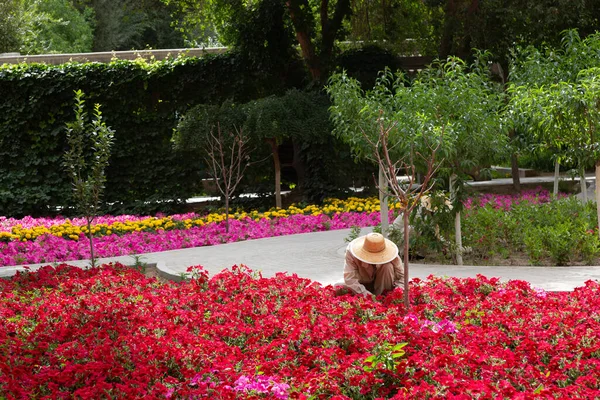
(298, 165)
(449, 29)
(277, 165)
(514, 166)
(318, 64)
(456, 38)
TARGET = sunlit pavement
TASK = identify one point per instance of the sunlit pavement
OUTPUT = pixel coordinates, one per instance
(319, 256)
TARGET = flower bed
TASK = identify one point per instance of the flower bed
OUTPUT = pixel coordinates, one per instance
(28, 228)
(111, 332)
(40, 240)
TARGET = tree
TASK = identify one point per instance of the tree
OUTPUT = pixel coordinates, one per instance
(559, 93)
(88, 175)
(498, 25)
(406, 27)
(131, 24)
(227, 157)
(462, 100)
(298, 117)
(566, 115)
(468, 100)
(51, 26)
(315, 24)
(534, 74)
(55, 26)
(216, 135)
(399, 127)
(9, 25)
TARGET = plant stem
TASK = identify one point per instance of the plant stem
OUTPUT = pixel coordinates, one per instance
(405, 256)
(91, 237)
(556, 173)
(383, 204)
(227, 213)
(583, 184)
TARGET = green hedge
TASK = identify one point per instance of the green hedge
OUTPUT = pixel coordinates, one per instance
(140, 101)
(143, 102)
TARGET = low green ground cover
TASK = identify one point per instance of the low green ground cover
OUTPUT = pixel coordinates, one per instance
(532, 228)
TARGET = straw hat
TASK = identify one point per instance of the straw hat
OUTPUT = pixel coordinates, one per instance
(373, 248)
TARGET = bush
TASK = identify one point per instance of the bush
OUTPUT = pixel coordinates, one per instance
(313, 161)
(562, 230)
(142, 102)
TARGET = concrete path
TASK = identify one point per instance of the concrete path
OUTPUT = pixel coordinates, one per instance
(320, 256)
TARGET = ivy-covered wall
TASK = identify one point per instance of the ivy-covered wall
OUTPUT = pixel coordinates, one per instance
(140, 101)
(143, 102)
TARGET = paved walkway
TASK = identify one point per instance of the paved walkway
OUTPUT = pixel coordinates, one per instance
(320, 256)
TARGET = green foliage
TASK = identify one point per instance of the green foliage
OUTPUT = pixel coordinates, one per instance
(299, 123)
(87, 175)
(469, 102)
(354, 233)
(301, 119)
(498, 25)
(54, 26)
(554, 97)
(142, 102)
(386, 357)
(9, 26)
(562, 230)
(199, 122)
(49, 26)
(266, 29)
(132, 24)
(218, 134)
(405, 27)
(430, 223)
(448, 103)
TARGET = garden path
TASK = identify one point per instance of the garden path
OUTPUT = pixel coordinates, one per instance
(319, 256)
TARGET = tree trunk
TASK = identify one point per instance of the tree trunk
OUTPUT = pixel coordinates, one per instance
(598, 191)
(458, 235)
(448, 30)
(227, 213)
(298, 165)
(556, 174)
(457, 225)
(383, 203)
(91, 237)
(405, 216)
(277, 164)
(514, 167)
(295, 9)
(583, 184)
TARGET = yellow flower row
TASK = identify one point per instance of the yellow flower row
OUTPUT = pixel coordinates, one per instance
(74, 232)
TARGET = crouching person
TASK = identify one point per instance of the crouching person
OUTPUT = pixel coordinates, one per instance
(372, 265)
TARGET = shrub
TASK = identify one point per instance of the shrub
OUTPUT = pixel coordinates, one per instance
(142, 102)
(559, 229)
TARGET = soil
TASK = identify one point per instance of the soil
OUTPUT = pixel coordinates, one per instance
(151, 271)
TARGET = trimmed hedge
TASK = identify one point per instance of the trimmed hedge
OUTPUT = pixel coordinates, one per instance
(140, 101)
(143, 102)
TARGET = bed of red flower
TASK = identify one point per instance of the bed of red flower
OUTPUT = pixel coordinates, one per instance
(113, 333)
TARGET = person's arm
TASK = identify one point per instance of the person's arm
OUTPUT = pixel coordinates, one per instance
(351, 274)
(398, 272)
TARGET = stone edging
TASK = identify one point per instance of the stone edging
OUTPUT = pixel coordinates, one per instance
(162, 270)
